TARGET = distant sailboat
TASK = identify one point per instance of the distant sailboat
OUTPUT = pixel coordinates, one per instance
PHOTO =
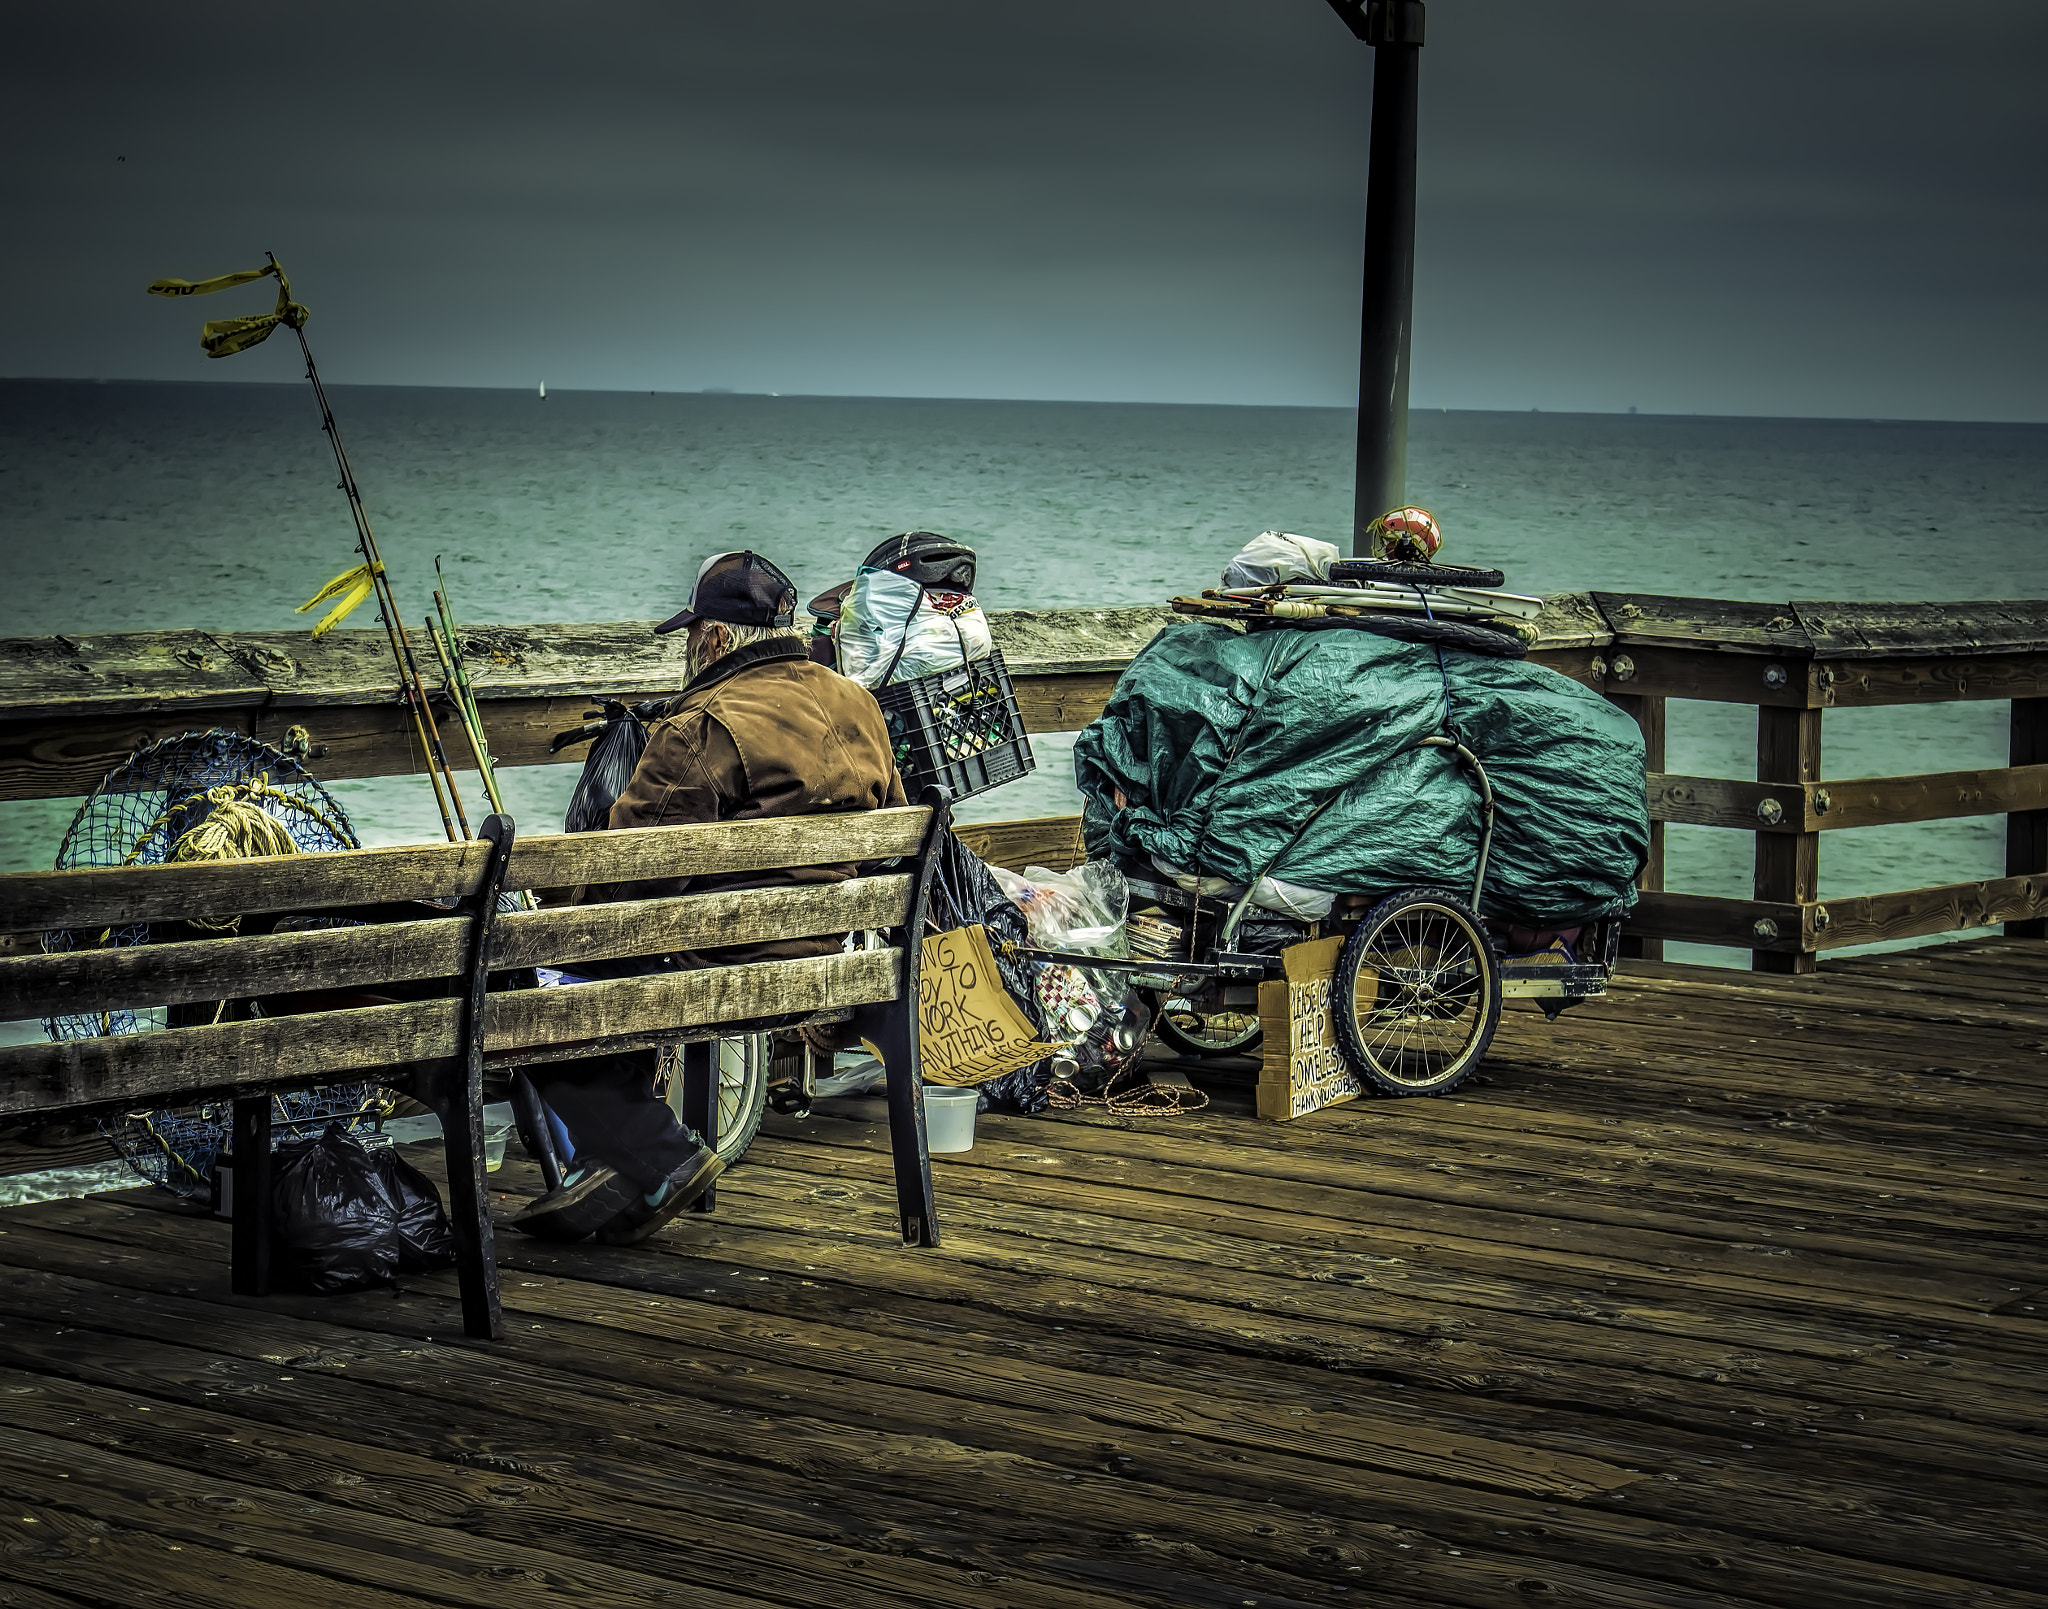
(543, 391)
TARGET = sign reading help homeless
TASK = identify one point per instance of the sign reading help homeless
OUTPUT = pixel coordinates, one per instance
(1304, 1068)
(969, 1030)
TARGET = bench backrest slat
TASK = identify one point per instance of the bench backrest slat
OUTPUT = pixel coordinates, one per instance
(214, 890)
(196, 1063)
(80, 982)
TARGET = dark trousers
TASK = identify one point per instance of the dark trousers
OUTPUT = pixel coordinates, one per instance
(616, 1115)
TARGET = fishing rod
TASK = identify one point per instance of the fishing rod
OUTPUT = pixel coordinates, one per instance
(221, 338)
(441, 630)
(448, 645)
(439, 771)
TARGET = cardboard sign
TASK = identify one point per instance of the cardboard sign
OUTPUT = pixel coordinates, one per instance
(1304, 1067)
(969, 1030)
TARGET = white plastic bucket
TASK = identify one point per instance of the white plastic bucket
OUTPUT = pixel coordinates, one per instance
(949, 1118)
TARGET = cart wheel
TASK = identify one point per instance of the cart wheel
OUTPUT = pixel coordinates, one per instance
(1417, 993)
(1204, 1034)
(1402, 573)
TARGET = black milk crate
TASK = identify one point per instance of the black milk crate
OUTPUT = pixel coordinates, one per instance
(959, 728)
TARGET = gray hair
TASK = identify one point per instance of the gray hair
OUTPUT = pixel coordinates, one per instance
(716, 638)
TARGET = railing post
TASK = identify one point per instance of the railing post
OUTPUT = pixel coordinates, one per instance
(1787, 864)
(2026, 831)
(1647, 711)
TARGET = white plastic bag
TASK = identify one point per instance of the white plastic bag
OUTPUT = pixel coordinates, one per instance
(1275, 556)
(1080, 910)
(1272, 894)
(886, 612)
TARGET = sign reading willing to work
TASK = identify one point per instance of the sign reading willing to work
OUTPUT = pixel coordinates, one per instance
(969, 1030)
(1304, 1069)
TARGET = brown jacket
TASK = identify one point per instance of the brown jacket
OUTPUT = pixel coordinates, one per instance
(764, 732)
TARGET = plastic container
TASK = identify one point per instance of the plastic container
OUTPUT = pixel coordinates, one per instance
(495, 1136)
(959, 728)
(949, 1117)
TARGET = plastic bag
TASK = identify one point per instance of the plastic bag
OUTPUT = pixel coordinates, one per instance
(344, 1219)
(1083, 909)
(891, 629)
(1272, 893)
(1275, 556)
(964, 890)
(614, 755)
(426, 1240)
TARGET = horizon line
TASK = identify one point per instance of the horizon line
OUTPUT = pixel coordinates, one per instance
(733, 393)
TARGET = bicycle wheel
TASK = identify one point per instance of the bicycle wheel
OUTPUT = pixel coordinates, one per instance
(742, 1093)
(1417, 993)
(1203, 1034)
(1400, 573)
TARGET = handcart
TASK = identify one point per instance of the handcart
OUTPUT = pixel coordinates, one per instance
(1418, 986)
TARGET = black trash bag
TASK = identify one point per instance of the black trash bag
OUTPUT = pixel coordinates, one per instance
(336, 1214)
(963, 892)
(616, 743)
(426, 1240)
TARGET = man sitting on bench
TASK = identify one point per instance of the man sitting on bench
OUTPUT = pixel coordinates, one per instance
(760, 731)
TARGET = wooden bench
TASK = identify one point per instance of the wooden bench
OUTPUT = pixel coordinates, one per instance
(449, 948)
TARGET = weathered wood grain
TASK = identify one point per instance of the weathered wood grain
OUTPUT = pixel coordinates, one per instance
(1922, 630)
(1858, 802)
(1050, 841)
(196, 1063)
(216, 890)
(72, 982)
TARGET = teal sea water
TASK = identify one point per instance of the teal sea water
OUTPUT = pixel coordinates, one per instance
(150, 506)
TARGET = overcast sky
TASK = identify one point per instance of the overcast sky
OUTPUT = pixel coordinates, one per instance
(1834, 207)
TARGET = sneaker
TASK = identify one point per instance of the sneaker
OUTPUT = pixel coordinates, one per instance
(585, 1201)
(648, 1213)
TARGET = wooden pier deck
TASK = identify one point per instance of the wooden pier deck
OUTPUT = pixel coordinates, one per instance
(1724, 1291)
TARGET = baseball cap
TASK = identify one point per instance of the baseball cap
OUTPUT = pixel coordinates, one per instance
(742, 588)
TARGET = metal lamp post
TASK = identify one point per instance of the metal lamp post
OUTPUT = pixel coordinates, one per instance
(1394, 29)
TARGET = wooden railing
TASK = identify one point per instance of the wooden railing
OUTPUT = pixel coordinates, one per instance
(72, 707)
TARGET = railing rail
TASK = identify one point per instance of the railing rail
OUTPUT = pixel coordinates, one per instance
(73, 707)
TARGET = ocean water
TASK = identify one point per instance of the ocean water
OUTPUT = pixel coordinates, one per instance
(151, 506)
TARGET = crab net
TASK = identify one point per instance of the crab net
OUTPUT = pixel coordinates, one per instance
(163, 798)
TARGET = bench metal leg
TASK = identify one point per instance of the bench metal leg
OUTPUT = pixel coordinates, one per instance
(700, 1104)
(249, 1144)
(892, 1030)
(456, 1093)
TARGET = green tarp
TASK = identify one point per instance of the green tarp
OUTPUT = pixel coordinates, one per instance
(1222, 742)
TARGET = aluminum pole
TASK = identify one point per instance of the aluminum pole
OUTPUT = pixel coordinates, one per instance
(1394, 29)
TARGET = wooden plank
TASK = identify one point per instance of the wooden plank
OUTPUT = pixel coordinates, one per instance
(219, 890)
(2026, 828)
(1712, 919)
(1586, 665)
(1649, 715)
(199, 1063)
(564, 860)
(1570, 620)
(69, 983)
(1053, 842)
(1722, 625)
(1920, 911)
(1062, 703)
(216, 890)
(1909, 679)
(1856, 802)
(1664, 671)
(1787, 866)
(1923, 630)
(130, 673)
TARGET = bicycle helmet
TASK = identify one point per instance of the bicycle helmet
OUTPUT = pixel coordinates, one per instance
(929, 559)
